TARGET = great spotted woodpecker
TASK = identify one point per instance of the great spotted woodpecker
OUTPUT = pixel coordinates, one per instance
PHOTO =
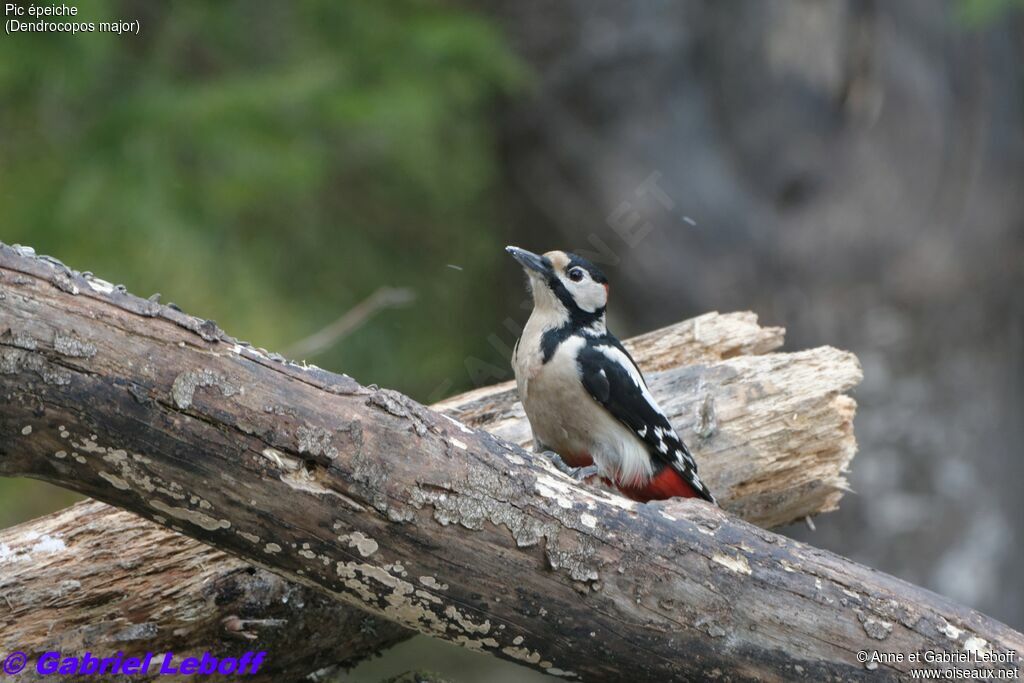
(583, 394)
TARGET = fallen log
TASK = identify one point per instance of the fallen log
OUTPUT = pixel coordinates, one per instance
(79, 592)
(93, 577)
(412, 515)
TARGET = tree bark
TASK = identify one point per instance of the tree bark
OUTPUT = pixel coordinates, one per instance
(435, 525)
(96, 578)
(73, 589)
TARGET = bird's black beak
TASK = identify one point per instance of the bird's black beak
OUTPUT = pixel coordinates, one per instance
(530, 260)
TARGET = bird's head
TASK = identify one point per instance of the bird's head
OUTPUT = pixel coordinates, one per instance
(564, 283)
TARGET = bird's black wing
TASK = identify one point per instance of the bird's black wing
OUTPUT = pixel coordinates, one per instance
(612, 378)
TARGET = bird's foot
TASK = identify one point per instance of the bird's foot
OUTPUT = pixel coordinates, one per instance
(586, 475)
(557, 461)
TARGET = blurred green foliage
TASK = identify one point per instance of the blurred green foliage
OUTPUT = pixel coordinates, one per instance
(982, 12)
(269, 165)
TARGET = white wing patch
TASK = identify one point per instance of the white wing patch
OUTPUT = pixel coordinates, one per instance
(647, 420)
(619, 358)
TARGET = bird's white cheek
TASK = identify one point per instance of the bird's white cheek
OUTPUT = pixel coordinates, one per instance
(591, 297)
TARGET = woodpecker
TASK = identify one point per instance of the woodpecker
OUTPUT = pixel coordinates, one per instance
(584, 396)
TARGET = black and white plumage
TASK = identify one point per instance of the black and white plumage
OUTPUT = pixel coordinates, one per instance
(582, 392)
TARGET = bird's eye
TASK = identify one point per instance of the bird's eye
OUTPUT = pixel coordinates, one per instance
(576, 274)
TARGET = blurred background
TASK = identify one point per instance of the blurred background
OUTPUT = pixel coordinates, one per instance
(852, 170)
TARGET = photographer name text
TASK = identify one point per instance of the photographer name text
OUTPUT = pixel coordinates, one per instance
(150, 664)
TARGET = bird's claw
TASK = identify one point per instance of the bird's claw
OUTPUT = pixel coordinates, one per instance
(586, 474)
(557, 461)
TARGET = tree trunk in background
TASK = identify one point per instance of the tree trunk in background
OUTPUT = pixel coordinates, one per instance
(852, 168)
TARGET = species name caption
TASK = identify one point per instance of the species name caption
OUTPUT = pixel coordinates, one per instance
(52, 19)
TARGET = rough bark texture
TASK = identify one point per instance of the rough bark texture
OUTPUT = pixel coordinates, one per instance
(94, 578)
(65, 587)
(412, 515)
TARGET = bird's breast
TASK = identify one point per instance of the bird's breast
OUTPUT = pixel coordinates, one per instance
(567, 419)
(553, 401)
